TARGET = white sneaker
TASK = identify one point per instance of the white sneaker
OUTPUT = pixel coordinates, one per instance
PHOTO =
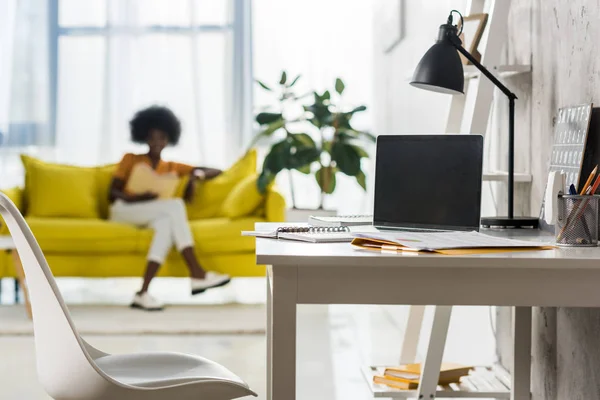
(211, 280)
(146, 302)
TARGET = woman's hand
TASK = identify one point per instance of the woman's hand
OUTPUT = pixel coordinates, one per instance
(206, 173)
(137, 198)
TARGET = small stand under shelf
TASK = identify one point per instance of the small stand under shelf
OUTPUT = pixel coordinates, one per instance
(483, 382)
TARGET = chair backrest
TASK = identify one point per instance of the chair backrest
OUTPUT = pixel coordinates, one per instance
(62, 356)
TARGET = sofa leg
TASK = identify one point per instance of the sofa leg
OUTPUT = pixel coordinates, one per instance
(16, 291)
(21, 281)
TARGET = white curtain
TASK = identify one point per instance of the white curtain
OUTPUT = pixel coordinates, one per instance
(321, 40)
(24, 84)
(118, 56)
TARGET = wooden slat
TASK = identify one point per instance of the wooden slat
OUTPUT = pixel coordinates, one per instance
(502, 374)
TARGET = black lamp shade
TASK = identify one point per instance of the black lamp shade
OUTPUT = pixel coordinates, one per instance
(440, 70)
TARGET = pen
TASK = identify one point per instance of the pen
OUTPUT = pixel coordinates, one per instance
(572, 189)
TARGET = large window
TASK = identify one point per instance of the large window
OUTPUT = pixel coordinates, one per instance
(113, 57)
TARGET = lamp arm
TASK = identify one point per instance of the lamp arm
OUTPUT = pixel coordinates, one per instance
(457, 43)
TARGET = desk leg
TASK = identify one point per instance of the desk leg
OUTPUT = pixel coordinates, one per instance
(435, 352)
(410, 342)
(521, 369)
(281, 336)
(269, 332)
(21, 280)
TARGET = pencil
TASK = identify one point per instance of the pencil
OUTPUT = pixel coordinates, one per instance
(589, 180)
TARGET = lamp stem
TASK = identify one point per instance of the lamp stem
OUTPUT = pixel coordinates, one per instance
(511, 156)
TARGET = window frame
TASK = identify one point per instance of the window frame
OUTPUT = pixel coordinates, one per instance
(240, 62)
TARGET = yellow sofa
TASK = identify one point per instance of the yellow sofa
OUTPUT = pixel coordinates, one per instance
(93, 246)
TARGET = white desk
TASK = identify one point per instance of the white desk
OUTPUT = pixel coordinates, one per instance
(303, 273)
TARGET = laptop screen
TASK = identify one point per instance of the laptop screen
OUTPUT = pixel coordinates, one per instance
(428, 181)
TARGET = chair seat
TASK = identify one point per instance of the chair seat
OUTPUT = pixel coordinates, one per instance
(159, 370)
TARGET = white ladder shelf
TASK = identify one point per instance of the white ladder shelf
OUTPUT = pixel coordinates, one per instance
(468, 114)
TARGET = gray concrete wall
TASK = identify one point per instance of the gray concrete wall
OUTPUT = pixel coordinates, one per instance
(563, 40)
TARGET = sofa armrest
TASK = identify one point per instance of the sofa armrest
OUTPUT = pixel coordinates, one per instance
(274, 205)
(15, 194)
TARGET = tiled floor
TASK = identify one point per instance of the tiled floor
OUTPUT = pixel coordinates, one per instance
(332, 345)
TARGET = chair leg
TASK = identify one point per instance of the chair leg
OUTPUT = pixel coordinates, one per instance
(21, 281)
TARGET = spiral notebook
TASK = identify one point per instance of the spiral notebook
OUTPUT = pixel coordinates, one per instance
(312, 234)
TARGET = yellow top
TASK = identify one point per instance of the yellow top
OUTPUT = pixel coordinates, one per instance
(125, 167)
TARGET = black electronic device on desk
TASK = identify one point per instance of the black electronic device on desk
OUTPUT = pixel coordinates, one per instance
(428, 182)
(441, 70)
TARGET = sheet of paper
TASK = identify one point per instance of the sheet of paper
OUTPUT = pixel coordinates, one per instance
(447, 240)
(263, 234)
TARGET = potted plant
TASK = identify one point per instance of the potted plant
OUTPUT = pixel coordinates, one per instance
(338, 147)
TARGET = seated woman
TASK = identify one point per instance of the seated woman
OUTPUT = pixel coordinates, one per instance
(158, 127)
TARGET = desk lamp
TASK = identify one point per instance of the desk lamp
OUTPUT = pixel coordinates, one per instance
(440, 70)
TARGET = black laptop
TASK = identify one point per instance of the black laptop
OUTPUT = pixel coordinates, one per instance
(428, 182)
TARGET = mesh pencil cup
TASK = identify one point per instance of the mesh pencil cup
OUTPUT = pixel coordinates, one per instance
(577, 222)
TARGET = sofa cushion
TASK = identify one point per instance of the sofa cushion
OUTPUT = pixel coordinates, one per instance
(56, 191)
(210, 195)
(96, 236)
(244, 199)
(99, 177)
(216, 235)
(81, 235)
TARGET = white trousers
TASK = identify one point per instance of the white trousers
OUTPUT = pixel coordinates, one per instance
(167, 217)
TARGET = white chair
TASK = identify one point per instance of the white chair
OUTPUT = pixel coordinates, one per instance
(70, 369)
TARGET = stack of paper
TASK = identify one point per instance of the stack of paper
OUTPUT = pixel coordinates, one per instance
(451, 243)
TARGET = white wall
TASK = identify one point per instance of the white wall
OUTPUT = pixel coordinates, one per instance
(398, 107)
(402, 109)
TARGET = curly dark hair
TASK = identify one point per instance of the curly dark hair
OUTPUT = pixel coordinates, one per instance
(155, 117)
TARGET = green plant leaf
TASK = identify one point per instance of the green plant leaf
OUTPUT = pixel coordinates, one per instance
(268, 131)
(264, 86)
(345, 135)
(326, 96)
(362, 153)
(278, 157)
(294, 81)
(339, 86)
(264, 180)
(368, 136)
(303, 156)
(327, 146)
(304, 169)
(283, 78)
(362, 180)
(264, 118)
(273, 127)
(346, 158)
(325, 177)
(321, 115)
(302, 139)
(358, 109)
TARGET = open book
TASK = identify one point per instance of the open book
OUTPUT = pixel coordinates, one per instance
(451, 243)
(144, 179)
